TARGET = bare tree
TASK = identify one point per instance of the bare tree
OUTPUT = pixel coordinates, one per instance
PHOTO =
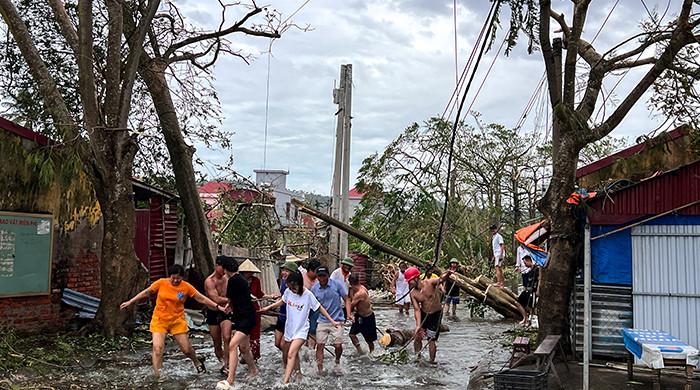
(100, 134)
(574, 123)
(171, 41)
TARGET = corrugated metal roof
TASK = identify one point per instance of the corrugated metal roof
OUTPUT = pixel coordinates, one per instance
(653, 196)
(611, 308)
(666, 287)
(86, 304)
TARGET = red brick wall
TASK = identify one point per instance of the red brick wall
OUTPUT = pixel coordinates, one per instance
(76, 266)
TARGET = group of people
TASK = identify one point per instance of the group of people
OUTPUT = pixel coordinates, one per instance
(313, 306)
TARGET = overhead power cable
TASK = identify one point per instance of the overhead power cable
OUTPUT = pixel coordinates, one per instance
(488, 25)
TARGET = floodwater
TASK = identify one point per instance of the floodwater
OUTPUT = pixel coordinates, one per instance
(458, 350)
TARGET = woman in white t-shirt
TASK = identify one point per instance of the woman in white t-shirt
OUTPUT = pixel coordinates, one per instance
(300, 302)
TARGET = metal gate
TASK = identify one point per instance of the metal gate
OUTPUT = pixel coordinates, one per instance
(666, 279)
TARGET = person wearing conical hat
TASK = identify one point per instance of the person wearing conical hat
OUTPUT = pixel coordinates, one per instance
(248, 270)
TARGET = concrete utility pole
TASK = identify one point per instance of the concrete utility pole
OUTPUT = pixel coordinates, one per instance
(340, 207)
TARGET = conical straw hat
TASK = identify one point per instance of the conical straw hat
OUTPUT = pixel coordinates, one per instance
(248, 266)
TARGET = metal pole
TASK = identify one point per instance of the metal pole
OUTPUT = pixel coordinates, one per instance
(345, 184)
(587, 339)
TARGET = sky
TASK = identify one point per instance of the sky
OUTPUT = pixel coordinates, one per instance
(403, 58)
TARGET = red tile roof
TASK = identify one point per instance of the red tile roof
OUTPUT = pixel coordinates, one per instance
(355, 194)
(215, 187)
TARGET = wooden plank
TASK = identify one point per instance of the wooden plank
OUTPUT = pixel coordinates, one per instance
(548, 345)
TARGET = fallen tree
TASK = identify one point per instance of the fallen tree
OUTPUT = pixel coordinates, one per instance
(501, 300)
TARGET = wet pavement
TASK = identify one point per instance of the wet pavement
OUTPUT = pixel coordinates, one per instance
(458, 350)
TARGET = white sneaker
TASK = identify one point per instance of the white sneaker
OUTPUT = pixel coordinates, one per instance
(223, 385)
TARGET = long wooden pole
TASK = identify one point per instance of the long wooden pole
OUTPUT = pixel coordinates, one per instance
(501, 301)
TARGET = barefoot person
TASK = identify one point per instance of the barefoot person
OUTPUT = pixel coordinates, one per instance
(310, 280)
(400, 289)
(427, 309)
(169, 315)
(330, 293)
(451, 290)
(219, 323)
(499, 253)
(300, 302)
(364, 321)
(287, 268)
(243, 322)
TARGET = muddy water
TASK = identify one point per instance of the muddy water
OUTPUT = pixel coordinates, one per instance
(466, 343)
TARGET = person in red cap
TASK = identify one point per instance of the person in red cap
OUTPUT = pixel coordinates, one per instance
(427, 309)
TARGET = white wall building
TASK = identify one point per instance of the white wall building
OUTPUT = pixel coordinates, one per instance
(275, 180)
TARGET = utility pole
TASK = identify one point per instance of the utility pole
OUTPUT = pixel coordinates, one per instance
(340, 206)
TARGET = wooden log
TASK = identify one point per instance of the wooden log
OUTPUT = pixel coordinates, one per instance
(399, 337)
(504, 303)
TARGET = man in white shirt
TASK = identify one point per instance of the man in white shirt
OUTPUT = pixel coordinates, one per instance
(499, 253)
(342, 273)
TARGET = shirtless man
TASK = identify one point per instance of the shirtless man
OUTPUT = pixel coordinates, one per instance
(219, 324)
(364, 321)
(427, 309)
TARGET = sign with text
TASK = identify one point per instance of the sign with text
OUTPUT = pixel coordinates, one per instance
(25, 254)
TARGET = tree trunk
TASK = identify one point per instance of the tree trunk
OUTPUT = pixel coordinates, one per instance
(557, 277)
(501, 300)
(121, 273)
(153, 73)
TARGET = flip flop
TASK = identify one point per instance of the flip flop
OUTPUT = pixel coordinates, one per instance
(201, 368)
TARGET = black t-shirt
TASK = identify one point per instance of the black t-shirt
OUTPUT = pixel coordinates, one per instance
(451, 289)
(238, 293)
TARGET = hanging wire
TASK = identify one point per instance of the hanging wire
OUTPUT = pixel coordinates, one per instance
(490, 20)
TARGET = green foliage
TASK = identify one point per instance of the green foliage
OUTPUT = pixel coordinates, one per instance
(404, 190)
(43, 351)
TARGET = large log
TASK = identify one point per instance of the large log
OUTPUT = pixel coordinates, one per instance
(501, 300)
(395, 337)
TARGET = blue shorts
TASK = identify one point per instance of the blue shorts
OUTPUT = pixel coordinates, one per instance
(313, 321)
(453, 300)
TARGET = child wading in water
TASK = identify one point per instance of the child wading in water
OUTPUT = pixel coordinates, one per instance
(300, 302)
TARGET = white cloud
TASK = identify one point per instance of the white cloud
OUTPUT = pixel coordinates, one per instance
(403, 62)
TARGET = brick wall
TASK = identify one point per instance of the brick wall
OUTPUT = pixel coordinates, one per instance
(75, 266)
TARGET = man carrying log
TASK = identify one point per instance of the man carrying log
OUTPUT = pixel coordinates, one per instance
(364, 321)
(427, 309)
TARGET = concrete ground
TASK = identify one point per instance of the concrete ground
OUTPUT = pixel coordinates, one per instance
(603, 378)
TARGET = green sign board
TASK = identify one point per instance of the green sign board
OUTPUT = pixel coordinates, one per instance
(25, 254)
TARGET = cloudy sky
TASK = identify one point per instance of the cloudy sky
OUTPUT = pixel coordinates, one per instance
(402, 52)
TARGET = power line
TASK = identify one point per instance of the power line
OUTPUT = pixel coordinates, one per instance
(488, 23)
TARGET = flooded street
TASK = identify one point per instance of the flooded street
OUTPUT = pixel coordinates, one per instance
(466, 343)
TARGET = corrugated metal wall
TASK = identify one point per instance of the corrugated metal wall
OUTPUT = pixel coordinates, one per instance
(612, 311)
(666, 279)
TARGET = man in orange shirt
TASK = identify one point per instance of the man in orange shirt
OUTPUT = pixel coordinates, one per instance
(169, 315)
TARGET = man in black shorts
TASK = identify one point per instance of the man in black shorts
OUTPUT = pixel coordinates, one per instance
(364, 321)
(427, 309)
(243, 321)
(219, 323)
